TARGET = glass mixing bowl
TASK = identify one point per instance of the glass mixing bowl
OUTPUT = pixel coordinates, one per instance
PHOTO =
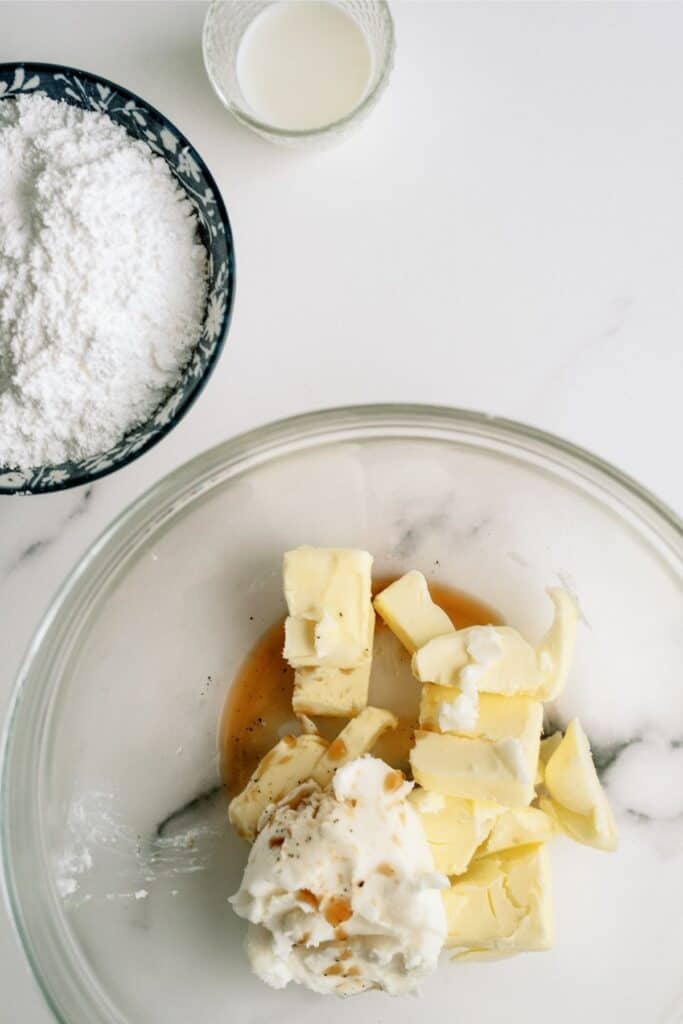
(118, 859)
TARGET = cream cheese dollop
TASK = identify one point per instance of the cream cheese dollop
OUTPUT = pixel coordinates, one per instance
(340, 888)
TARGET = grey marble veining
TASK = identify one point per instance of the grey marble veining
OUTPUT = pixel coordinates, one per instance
(83, 497)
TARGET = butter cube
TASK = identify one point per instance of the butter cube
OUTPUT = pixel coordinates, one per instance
(502, 904)
(492, 659)
(555, 651)
(475, 769)
(325, 691)
(548, 745)
(329, 598)
(409, 612)
(328, 691)
(577, 800)
(499, 718)
(358, 737)
(570, 775)
(289, 763)
(454, 828)
(596, 829)
(522, 826)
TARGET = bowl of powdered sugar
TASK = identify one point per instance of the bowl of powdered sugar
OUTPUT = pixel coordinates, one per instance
(116, 277)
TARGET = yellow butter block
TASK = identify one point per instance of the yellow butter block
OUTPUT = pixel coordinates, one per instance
(576, 797)
(287, 765)
(454, 827)
(329, 691)
(556, 650)
(596, 829)
(499, 718)
(409, 612)
(358, 737)
(477, 912)
(332, 692)
(548, 745)
(521, 826)
(502, 904)
(475, 769)
(329, 599)
(479, 955)
(570, 775)
(497, 659)
(493, 659)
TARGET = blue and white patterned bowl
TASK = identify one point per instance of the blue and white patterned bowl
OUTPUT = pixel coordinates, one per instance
(143, 122)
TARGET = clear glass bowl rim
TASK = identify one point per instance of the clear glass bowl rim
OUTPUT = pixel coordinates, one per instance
(276, 439)
(306, 133)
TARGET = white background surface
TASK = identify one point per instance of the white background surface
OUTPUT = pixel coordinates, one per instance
(504, 233)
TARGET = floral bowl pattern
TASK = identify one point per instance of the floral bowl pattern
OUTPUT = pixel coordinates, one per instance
(143, 122)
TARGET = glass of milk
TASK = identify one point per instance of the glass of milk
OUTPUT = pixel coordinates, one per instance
(299, 72)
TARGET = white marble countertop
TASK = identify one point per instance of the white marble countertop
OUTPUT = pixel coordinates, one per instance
(503, 234)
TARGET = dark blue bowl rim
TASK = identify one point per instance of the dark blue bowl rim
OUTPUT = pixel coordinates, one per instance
(78, 480)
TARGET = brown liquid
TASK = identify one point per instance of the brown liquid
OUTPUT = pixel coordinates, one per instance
(259, 704)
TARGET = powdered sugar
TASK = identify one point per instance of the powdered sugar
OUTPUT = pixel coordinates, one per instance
(103, 282)
(102, 857)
